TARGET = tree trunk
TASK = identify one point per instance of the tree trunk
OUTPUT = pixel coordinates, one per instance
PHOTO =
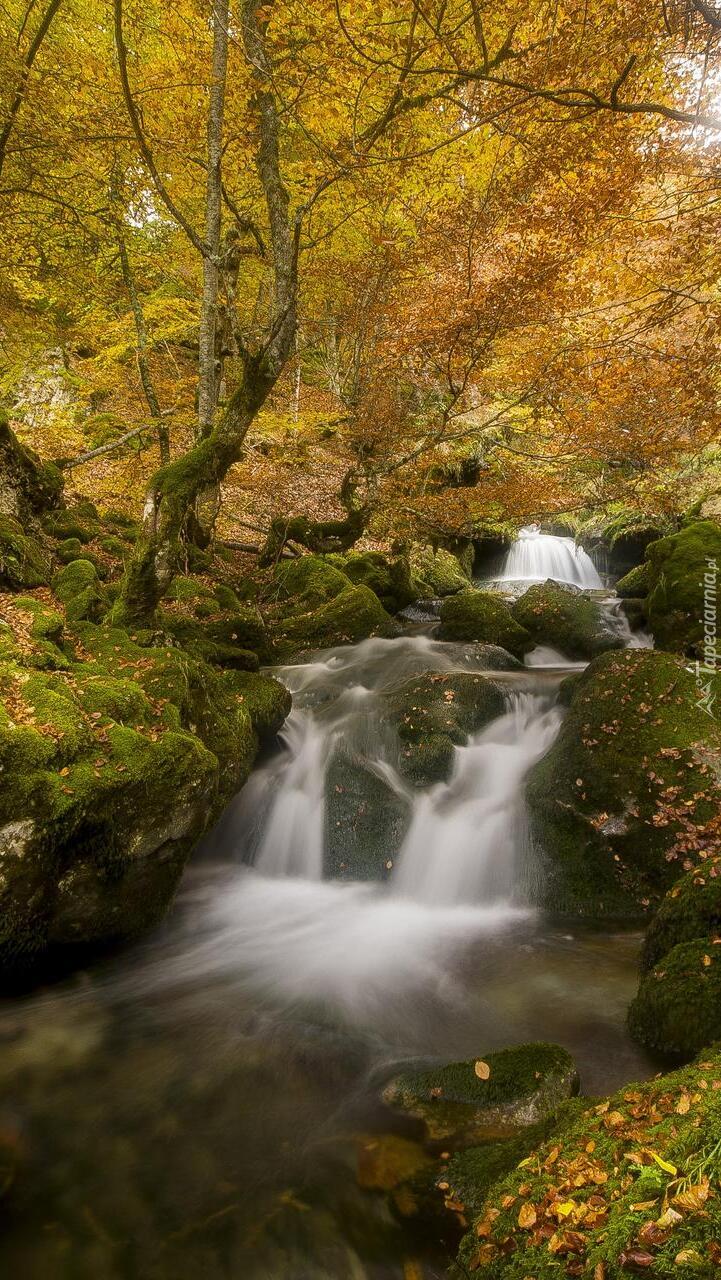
(207, 371)
(141, 333)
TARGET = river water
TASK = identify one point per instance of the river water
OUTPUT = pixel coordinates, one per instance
(195, 1106)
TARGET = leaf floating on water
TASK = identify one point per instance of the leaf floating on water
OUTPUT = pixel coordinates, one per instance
(482, 1070)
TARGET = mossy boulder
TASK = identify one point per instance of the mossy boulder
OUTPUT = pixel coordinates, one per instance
(564, 619)
(78, 587)
(365, 821)
(682, 570)
(629, 790)
(626, 1186)
(433, 714)
(310, 581)
(635, 612)
(677, 1010)
(80, 521)
(635, 583)
(690, 910)
(500, 1092)
(24, 560)
(437, 572)
(354, 614)
(480, 615)
(113, 767)
(388, 576)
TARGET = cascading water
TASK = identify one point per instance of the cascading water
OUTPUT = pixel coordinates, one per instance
(536, 556)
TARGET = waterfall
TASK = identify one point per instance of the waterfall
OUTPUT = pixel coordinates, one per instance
(468, 837)
(536, 556)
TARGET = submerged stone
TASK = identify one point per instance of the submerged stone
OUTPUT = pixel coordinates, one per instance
(460, 1103)
(365, 822)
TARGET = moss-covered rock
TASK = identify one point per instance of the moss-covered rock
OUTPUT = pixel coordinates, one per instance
(113, 768)
(388, 576)
(480, 615)
(677, 1010)
(78, 587)
(690, 910)
(435, 713)
(681, 570)
(565, 620)
(24, 561)
(437, 572)
(365, 822)
(80, 522)
(353, 614)
(310, 581)
(629, 789)
(625, 1187)
(635, 583)
(466, 1102)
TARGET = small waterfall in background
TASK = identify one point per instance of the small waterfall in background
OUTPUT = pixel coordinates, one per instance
(536, 556)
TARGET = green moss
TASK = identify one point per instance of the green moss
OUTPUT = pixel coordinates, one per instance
(353, 614)
(690, 910)
(77, 586)
(677, 568)
(678, 1006)
(525, 1084)
(388, 576)
(635, 583)
(267, 700)
(434, 713)
(24, 562)
(437, 572)
(189, 590)
(628, 789)
(565, 620)
(114, 546)
(596, 1188)
(227, 598)
(77, 522)
(310, 580)
(112, 698)
(479, 615)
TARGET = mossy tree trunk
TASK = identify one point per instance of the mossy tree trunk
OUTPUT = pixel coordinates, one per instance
(321, 536)
(175, 489)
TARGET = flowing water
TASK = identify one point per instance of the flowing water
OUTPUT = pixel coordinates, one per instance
(535, 556)
(195, 1106)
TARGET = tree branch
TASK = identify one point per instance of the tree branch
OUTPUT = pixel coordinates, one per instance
(28, 61)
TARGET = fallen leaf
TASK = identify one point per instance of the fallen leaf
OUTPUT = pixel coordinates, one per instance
(482, 1070)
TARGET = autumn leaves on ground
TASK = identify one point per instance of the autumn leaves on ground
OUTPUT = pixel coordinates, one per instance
(304, 310)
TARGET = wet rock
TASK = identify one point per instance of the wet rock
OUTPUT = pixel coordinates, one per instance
(630, 788)
(435, 713)
(483, 616)
(565, 620)
(460, 1106)
(354, 614)
(366, 822)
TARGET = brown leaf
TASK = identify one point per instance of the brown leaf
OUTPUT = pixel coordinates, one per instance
(482, 1070)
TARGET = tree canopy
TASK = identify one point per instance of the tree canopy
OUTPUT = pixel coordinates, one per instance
(423, 267)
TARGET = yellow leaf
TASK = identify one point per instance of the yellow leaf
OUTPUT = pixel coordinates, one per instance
(482, 1070)
(662, 1164)
(526, 1216)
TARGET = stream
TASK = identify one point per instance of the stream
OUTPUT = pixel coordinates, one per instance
(194, 1106)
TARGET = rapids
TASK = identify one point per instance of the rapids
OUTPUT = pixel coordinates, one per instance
(191, 1105)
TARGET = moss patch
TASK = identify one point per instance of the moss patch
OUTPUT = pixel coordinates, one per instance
(629, 1186)
(437, 572)
(690, 910)
(24, 561)
(635, 583)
